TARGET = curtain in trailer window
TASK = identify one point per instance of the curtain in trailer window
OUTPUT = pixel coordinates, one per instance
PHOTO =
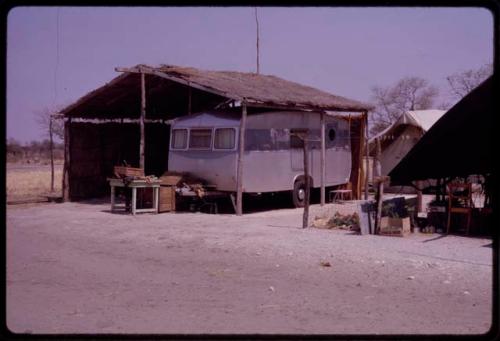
(224, 138)
(200, 138)
(258, 139)
(179, 139)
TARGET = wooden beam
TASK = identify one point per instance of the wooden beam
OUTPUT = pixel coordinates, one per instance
(323, 157)
(51, 120)
(143, 114)
(366, 155)
(67, 159)
(148, 70)
(189, 100)
(258, 104)
(239, 177)
(419, 196)
(305, 216)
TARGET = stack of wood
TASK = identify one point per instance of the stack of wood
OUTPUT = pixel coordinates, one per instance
(125, 171)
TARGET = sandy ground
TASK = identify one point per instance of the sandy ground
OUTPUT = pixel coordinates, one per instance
(77, 268)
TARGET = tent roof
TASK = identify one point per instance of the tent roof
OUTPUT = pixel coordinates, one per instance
(423, 119)
(458, 144)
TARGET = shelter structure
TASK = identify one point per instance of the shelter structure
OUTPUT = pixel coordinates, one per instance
(397, 139)
(458, 144)
(129, 119)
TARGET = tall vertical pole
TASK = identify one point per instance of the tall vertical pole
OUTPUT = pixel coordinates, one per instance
(367, 155)
(189, 101)
(305, 217)
(323, 157)
(239, 178)
(257, 22)
(67, 159)
(143, 114)
(51, 154)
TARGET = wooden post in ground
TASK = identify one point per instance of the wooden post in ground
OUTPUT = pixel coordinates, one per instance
(419, 196)
(51, 155)
(141, 120)
(366, 155)
(239, 177)
(67, 159)
(305, 217)
(379, 198)
(323, 157)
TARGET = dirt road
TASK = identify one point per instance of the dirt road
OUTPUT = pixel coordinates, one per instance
(77, 268)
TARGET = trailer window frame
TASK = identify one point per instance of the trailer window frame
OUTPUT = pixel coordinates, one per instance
(215, 129)
(200, 148)
(186, 142)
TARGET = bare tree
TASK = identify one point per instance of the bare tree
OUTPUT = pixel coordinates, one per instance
(409, 93)
(52, 126)
(44, 117)
(461, 83)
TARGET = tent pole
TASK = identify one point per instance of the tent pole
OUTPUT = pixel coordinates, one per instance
(189, 101)
(323, 156)
(239, 178)
(143, 114)
(367, 155)
(67, 159)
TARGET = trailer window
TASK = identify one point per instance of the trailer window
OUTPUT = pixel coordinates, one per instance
(200, 138)
(224, 138)
(331, 135)
(258, 139)
(179, 139)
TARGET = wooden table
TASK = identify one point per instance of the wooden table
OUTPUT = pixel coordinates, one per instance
(134, 185)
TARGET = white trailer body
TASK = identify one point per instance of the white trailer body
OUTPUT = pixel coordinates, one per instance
(206, 145)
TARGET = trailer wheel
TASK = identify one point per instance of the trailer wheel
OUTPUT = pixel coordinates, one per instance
(299, 193)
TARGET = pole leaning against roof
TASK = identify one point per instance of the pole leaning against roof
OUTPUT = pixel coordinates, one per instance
(367, 155)
(239, 176)
(323, 156)
(143, 114)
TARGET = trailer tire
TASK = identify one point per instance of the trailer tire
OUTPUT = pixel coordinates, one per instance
(299, 192)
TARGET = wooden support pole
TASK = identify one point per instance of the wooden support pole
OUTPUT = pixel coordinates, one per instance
(305, 217)
(239, 177)
(67, 159)
(376, 161)
(419, 196)
(379, 197)
(141, 121)
(366, 156)
(51, 154)
(323, 157)
(189, 100)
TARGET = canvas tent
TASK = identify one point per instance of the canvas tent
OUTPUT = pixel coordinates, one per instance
(129, 118)
(460, 143)
(397, 139)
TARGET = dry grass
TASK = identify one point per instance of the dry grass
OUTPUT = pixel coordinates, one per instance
(31, 183)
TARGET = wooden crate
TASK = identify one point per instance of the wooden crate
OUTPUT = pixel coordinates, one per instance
(395, 226)
(166, 199)
(122, 171)
(171, 178)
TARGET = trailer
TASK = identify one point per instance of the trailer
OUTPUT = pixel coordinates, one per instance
(206, 145)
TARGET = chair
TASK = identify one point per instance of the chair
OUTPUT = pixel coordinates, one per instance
(459, 201)
(342, 193)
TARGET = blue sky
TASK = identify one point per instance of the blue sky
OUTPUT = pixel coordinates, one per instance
(345, 51)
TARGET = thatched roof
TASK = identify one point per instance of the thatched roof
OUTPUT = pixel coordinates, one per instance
(256, 90)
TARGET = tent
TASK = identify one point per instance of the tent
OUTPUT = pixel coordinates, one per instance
(458, 144)
(397, 139)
